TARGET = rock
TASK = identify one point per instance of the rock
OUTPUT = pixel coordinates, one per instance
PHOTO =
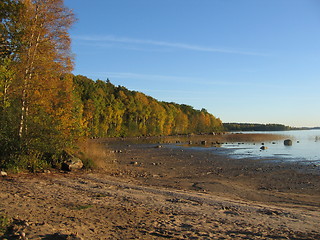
(134, 163)
(23, 236)
(287, 142)
(159, 146)
(74, 237)
(263, 147)
(204, 142)
(3, 174)
(71, 162)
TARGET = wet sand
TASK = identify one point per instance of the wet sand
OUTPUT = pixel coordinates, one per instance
(161, 191)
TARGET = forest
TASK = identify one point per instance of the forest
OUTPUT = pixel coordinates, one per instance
(109, 111)
(255, 127)
(45, 109)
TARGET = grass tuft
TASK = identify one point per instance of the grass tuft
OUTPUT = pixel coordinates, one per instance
(81, 207)
(4, 223)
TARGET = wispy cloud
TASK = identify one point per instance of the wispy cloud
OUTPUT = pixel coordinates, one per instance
(157, 78)
(141, 77)
(153, 77)
(109, 38)
(129, 75)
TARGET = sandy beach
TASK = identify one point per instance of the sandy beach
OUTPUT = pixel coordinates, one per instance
(158, 190)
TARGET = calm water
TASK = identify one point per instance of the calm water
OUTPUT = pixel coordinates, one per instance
(305, 147)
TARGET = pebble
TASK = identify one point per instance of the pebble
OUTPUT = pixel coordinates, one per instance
(3, 174)
(23, 236)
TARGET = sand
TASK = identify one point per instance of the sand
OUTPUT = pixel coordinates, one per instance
(160, 191)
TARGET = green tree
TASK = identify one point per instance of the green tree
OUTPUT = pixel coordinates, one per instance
(35, 83)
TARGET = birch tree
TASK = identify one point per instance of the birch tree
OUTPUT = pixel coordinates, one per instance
(41, 61)
(44, 54)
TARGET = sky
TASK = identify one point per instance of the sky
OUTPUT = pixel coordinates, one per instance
(252, 61)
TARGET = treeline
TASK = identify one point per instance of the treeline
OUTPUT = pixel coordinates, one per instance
(44, 109)
(254, 127)
(110, 111)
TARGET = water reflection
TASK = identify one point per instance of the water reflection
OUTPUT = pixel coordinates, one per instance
(305, 146)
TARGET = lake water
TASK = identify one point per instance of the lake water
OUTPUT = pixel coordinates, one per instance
(305, 147)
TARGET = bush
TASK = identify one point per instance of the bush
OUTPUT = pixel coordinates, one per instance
(31, 161)
(88, 163)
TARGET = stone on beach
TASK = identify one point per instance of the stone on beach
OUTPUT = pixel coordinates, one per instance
(71, 163)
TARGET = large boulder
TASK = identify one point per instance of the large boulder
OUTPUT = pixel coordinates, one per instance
(71, 162)
(287, 142)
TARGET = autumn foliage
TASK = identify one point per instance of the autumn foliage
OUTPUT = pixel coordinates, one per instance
(35, 87)
(44, 108)
(105, 110)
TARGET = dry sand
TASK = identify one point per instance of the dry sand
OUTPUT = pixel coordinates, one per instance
(156, 191)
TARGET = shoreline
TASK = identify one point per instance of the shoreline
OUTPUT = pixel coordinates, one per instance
(152, 191)
(200, 161)
(306, 165)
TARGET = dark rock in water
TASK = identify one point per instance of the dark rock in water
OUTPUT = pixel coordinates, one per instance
(71, 162)
(263, 147)
(287, 142)
(204, 142)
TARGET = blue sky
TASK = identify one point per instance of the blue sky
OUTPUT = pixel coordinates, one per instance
(243, 60)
